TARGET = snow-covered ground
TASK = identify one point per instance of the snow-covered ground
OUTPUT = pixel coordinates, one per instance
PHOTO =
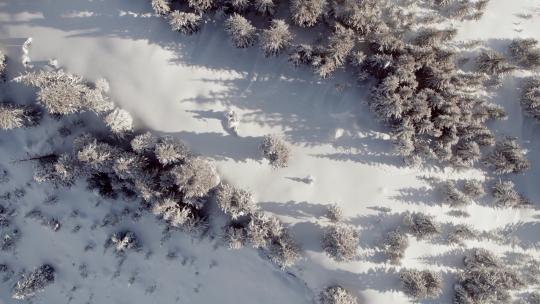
(183, 86)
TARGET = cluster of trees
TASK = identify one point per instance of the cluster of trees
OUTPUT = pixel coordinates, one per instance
(485, 280)
(461, 194)
(525, 52)
(34, 282)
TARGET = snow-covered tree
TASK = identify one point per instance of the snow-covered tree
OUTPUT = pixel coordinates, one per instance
(276, 151)
(461, 233)
(195, 178)
(336, 295)
(119, 121)
(394, 246)
(128, 165)
(466, 154)
(144, 143)
(171, 151)
(185, 23)
(493, 63)
(161, 7)
(14, 116)
(340, 241)
(302, 54)
(284, 251)
(507, 157)
(262, 229)
(506, 196)
(234, 201)
(173, 212)
(201, 5)
(485, 280)
(98, 156)
(235, 237)
(59, 171)
(452, 195)
(265, 7)
(63, 93)
(362, 16)
(34, 282)
(238, 6)
(421, 225)
(307, 13)
(341, 43)
(473, 188)
(243, 33)
(530, 97)
(421, 284)
(276, 38)
(334, 213)
(431, 37)
(123, 241)
(525, 52)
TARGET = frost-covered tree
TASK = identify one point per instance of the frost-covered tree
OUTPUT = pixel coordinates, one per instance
(14, 116)
(262, 229)
(473, 188)
(119, 121)
(336, 295)
(334, 213)
(394, 246)
(530, 97)
(123, 241)
(58, 170)
(466, 154)
(431, 37)
(185, 23)
(493, 63)
(340, 241)
(63, 93)
(276, 38)
(171, 151)
(421, 284)
(128, 165)
(195, 178)
(284, 251)
(234, 201)
(485, 280)
(201, 5)
(235, 237)
(506, 196)
(238, 6)
(98, 156)
(307, 13)
(461, 233)
(525, 52)
(243, 33)
(265, 7)
(341, 43)
(362, 16)
(276, 151)
(161, 7)
(34, 282)
(507, 157)
(452, 195)
(144, 143)
(421, 225)
(173, 212)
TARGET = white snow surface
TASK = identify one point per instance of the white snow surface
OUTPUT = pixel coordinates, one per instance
(181, 86)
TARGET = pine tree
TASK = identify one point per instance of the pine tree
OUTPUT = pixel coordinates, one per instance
(283, 251)
(185, 23)
(421, 225)
(119, 121)
(234, 201)
(421, 284)
(493, 63)
(173, 212)
(276, 151)
(276, 38)
(14, 116)
(525, 52)
(265, 7)
(306, 13)
(394, 246)
(161, 7)
(243, 33)
(201, 5)
(171, 151)
(530, 97)
(195, 178)
(340, 242)
(336, 295)
(506, 196)
(507, 157)
(262, 229)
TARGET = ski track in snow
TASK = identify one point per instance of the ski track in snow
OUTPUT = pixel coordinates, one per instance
(182, 86)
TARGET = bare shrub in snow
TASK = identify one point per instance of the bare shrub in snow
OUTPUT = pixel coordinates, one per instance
(276, 151)
(34, 282)
(340, 241)
(14, 116)
(394, 246)
(307, 13)
(171, 151)
(493, 63)
(235, 237)
(63, 93)
(265, 7)
(276, 38)
(421, 225)
(507, 157)
(283, 250)
(473, 188)
(234, 201)
(173, 212)
(421, 284)
(336, 295)
(506, 196)
(525, 52)
(530, 97)
(119, 121)
(123, 241)
(195, 178)
(243, 33)
(185, 23)
(334, 213)
(485, 280)
(262, 229)
(161, 7)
